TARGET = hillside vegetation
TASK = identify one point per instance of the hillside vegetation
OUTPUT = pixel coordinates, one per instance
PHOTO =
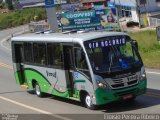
(16, 18)
(149, 47)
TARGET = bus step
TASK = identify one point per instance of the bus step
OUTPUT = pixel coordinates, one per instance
(24, 86)
(73, 98)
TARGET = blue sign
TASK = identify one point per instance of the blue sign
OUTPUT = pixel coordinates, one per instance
(76, 75)
(111, 4)
(49, 3)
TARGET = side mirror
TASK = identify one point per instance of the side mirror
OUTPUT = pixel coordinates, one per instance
(135, 44)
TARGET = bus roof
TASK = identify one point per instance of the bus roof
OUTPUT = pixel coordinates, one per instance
(68, 37)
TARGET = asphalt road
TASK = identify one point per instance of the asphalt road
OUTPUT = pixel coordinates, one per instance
(15, 100)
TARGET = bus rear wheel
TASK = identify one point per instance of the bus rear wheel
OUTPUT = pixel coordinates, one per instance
(88, 102)
(38, 90)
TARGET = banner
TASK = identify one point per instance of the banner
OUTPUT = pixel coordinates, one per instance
(90, 20)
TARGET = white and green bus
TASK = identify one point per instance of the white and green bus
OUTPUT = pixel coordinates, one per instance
(93, 67)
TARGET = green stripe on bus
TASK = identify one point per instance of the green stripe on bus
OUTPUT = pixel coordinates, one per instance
(61, 94)
(79, 81)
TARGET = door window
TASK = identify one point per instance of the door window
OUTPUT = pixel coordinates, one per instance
(80, 59)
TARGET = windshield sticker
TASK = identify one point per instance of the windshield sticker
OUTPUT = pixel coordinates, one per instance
(76, 75)
(100, 44)
(124, 64)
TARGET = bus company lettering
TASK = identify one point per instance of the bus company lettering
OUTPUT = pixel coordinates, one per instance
(106, 43)
(49, 74)
(80, 15)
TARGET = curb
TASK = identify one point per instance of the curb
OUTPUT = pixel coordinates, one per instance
(7, 39)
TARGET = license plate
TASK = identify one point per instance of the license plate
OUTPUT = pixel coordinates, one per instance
(127, 97)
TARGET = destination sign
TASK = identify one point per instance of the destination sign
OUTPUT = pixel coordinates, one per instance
(106, 43)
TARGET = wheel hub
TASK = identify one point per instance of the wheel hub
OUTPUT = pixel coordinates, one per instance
(37, 90)
(88, 100)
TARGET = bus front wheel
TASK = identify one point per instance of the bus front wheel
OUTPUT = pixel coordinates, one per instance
(38, 90)
(88, 102)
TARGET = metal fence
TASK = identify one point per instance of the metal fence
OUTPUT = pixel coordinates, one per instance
(154, 22)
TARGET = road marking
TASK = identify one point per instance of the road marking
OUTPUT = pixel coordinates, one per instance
(151, 95)
(34, 109)
(155, 94)
(3, 40)
(157, 73)
(6, 66)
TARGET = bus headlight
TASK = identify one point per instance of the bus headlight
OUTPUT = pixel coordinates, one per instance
(143, 77)
(101, 85)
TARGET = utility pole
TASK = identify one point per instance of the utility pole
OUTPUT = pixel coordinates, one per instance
(9, 4)
(138, 12)
(51, 14)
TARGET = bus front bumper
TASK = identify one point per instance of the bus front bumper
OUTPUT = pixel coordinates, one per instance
(104, 96)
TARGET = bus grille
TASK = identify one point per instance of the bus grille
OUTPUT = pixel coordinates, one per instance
(124, 82)
(118, 85)
(126, 92)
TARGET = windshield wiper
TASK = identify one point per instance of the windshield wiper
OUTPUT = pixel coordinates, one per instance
(111, 60)
(110, 64)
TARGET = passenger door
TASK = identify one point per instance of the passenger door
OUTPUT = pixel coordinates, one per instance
(18, 59)
(69, 68)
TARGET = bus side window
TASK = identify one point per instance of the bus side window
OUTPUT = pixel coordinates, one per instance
(39, 51)
(54, 53)
(18, 56)
(80, 59)
(28, 52)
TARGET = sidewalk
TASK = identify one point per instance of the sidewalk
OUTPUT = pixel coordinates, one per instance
(150, 70)
(133, 29)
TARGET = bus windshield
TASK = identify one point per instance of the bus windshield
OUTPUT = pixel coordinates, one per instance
(112, 54)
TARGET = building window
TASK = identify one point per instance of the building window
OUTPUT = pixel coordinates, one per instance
(126, 11)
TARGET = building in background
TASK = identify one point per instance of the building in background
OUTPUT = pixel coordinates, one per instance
(34, 3)
(135, 8)
(94, 4)
(20, 4)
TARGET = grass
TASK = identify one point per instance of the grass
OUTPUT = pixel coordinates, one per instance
(149, 47)
(16, 18)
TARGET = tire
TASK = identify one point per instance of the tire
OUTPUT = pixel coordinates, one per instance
(38, 90)
(88, 102)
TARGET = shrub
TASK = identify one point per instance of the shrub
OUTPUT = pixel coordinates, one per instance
(149, 47)
(21, 17)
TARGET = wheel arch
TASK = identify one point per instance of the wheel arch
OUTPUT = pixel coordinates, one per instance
(34, 83)
(82, 95)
